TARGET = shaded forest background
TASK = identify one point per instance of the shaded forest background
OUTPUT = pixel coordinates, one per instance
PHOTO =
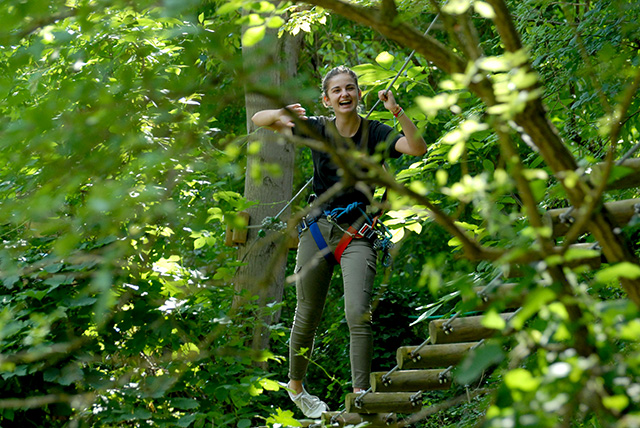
(125, 155)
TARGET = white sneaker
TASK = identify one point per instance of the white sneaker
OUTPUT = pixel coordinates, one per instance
(310, 405)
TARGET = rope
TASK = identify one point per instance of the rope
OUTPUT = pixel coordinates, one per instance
(403, 67)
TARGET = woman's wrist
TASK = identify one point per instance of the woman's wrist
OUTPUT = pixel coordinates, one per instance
(397, 111)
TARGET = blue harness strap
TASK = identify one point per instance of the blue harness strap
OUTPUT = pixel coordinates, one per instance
(321, 243)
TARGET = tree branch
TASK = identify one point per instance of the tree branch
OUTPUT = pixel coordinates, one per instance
(47, 20)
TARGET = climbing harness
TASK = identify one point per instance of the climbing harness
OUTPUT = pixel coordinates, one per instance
(372, 229)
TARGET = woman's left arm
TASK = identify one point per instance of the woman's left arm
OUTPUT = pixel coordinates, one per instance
(412, 143)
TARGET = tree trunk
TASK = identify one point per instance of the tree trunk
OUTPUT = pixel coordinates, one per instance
(265, 256)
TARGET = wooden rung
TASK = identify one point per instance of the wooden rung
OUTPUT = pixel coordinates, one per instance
(621, 212)
(467, 329)
(375, 420)
(410, 380)
(630, 180)
(384, 402)
(432, 356)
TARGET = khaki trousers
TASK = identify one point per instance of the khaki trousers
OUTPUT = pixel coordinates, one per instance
(313, 277)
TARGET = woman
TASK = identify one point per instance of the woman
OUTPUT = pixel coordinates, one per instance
(340, 92)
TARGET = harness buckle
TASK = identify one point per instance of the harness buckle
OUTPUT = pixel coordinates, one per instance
(303, 225)
(366, 231)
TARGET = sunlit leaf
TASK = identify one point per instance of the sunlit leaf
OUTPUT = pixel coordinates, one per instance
(521, 379)
(253, 35)
(385, 59)
(484, 9)
(275, 22)
(456, 7)
(621, 270)
(456, 151)
(493, 320)
(283, 418)
(616, 402)
(494, 64)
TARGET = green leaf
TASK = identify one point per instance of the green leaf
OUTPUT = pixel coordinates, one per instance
(456, 151)
(229, 7)
(269, 385)
(521, 379)
(616, 402)
(253, 35)
(493, 320)
(621, 270)
(456, 7)
(484, 9)
(199, 243)
(275, 22)
(185, 421)
(369, 74)
(493, 63)
(385, 59)
(53, 268)
(284, 418)
(580, 254)
(477, 362)
(631, 331)
(535, 301)
(244, 423)
(185, 403)
(10, 281)
(82, 301)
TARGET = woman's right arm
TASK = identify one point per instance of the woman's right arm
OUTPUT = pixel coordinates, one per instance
(279, 119)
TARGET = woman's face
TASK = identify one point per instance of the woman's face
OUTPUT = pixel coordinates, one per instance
(342, 93)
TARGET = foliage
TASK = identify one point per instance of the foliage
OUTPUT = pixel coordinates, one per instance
(122, 145)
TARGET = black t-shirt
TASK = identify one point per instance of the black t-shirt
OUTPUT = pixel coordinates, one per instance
(326, 173)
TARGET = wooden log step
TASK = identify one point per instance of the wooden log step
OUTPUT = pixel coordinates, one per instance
(467, 329)
(375, 420)
(410, 380)
(621, 212)
(432, 356)
(632, 179)
(384, 402)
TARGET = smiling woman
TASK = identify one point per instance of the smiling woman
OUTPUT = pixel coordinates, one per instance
(323, 241)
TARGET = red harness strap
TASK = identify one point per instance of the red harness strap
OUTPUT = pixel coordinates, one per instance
(344, 242)
(366, 231)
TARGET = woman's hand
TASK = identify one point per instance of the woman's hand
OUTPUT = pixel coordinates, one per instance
(389, 101)
(279, 119)
(285, 117)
